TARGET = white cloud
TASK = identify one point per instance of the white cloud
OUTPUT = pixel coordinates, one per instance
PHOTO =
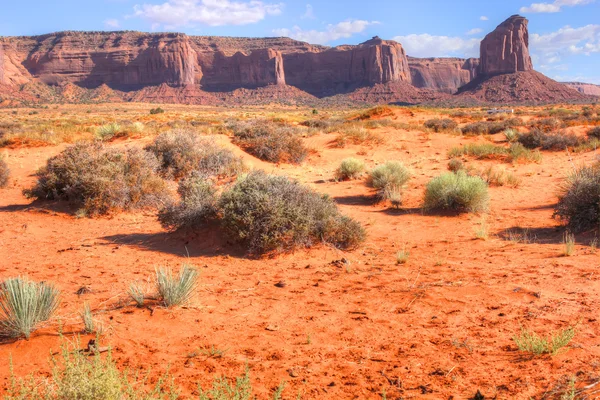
(474, 31)
(309, 13)
(426, 45)
(554, 7)
(175, 13)
(111, 23)
(483, 18)
(341, 30)
(567, 40)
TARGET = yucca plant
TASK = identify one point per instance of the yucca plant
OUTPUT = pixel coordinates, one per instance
(25, 304)
(176, 290)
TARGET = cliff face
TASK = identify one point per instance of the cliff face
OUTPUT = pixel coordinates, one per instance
(506, 49)
(345, 68)
(442, 74)
(585, 88)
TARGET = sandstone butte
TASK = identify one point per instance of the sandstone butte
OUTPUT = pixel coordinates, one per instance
(174, 67)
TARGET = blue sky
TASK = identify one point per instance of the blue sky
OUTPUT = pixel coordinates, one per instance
(565, 34)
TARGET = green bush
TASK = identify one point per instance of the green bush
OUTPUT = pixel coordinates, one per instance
(479, 150)
(455, 165)
(579, 199)
(457, 191)
(270, 213)
(270, 141)
(350, 168)
(4, 173)
(181, 152)
(156, 110)
(198, 204)
(441, 125)
(101, 180)
(24, 305)
(389, 179)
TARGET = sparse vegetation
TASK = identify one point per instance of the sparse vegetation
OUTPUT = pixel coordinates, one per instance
(456, 165)
(198, 204)
(137, 293)
(479, 150)
(579, 199)
(441, 125)
(274, 213)
(350, 168)
(176, 290)
(87, 318)
(389, 179)
(379, 111)
(537, 138)
(594, 133)
(24, 305)
(530, 342)
(270, 141)
(402, 256)
(4, 173)
(569, 243)
(181, 152)
(356, 134)
(100, 180)
(108, 131)
(157, 110)
(456, 191)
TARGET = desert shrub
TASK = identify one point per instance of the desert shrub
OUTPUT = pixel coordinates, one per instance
(4, 173)
(579, 199)
(379, 111)
(530, 342)
(356, 134)
(511, 135)
(493, 127)
(594, 132)
(181, 152)
(198, 203)
(274, 213)
(270, 141)
(176, 290)
(156, 110)
(457, 191)
(455, 165)
(350, 168)
(546, 124)
(478, 150)
(518, 153)
(24, 305)
(475, 128)
(76, 375)
(322, 124)
(537, 138)
(108, 131)
(499, 177)
(389, 179)
(441, 125)
(100, 179)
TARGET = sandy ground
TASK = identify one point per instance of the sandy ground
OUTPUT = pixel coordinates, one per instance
(438, 327)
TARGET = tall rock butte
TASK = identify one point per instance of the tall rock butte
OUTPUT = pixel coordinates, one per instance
(506, 49)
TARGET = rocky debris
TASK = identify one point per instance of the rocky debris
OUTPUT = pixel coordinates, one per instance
(506, 49)
(520, 87)
(442, 74)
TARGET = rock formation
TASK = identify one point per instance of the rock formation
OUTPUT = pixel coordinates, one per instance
(442, 74)
(506, 49)
(585, 88)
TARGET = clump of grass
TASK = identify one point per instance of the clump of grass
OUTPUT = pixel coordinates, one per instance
(4, 173)
(157, 110)
(492, 127)
(87, 318)
(108, 131)
(499, 177)
(137, 293)
(518, 153)
(270, 141)
(350, 168)
(176, 290)
(270, 213)
(569, 242)
(198, 204)
(479, 150)
(76, 375)
(224, 389)
(101, 180)
(379, 111)
(441, 125)
(579, 199)
(511, 135)
(389, 179)
(457, 191)
(355, 134)
(181, 152)
(24, 305)
(456, 165)
(482, 231)
(530, 342)
(402, 256)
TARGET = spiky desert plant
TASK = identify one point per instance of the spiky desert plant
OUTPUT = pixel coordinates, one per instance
(136, 292)
(108, 131)
(25, 304)
(176, 290)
